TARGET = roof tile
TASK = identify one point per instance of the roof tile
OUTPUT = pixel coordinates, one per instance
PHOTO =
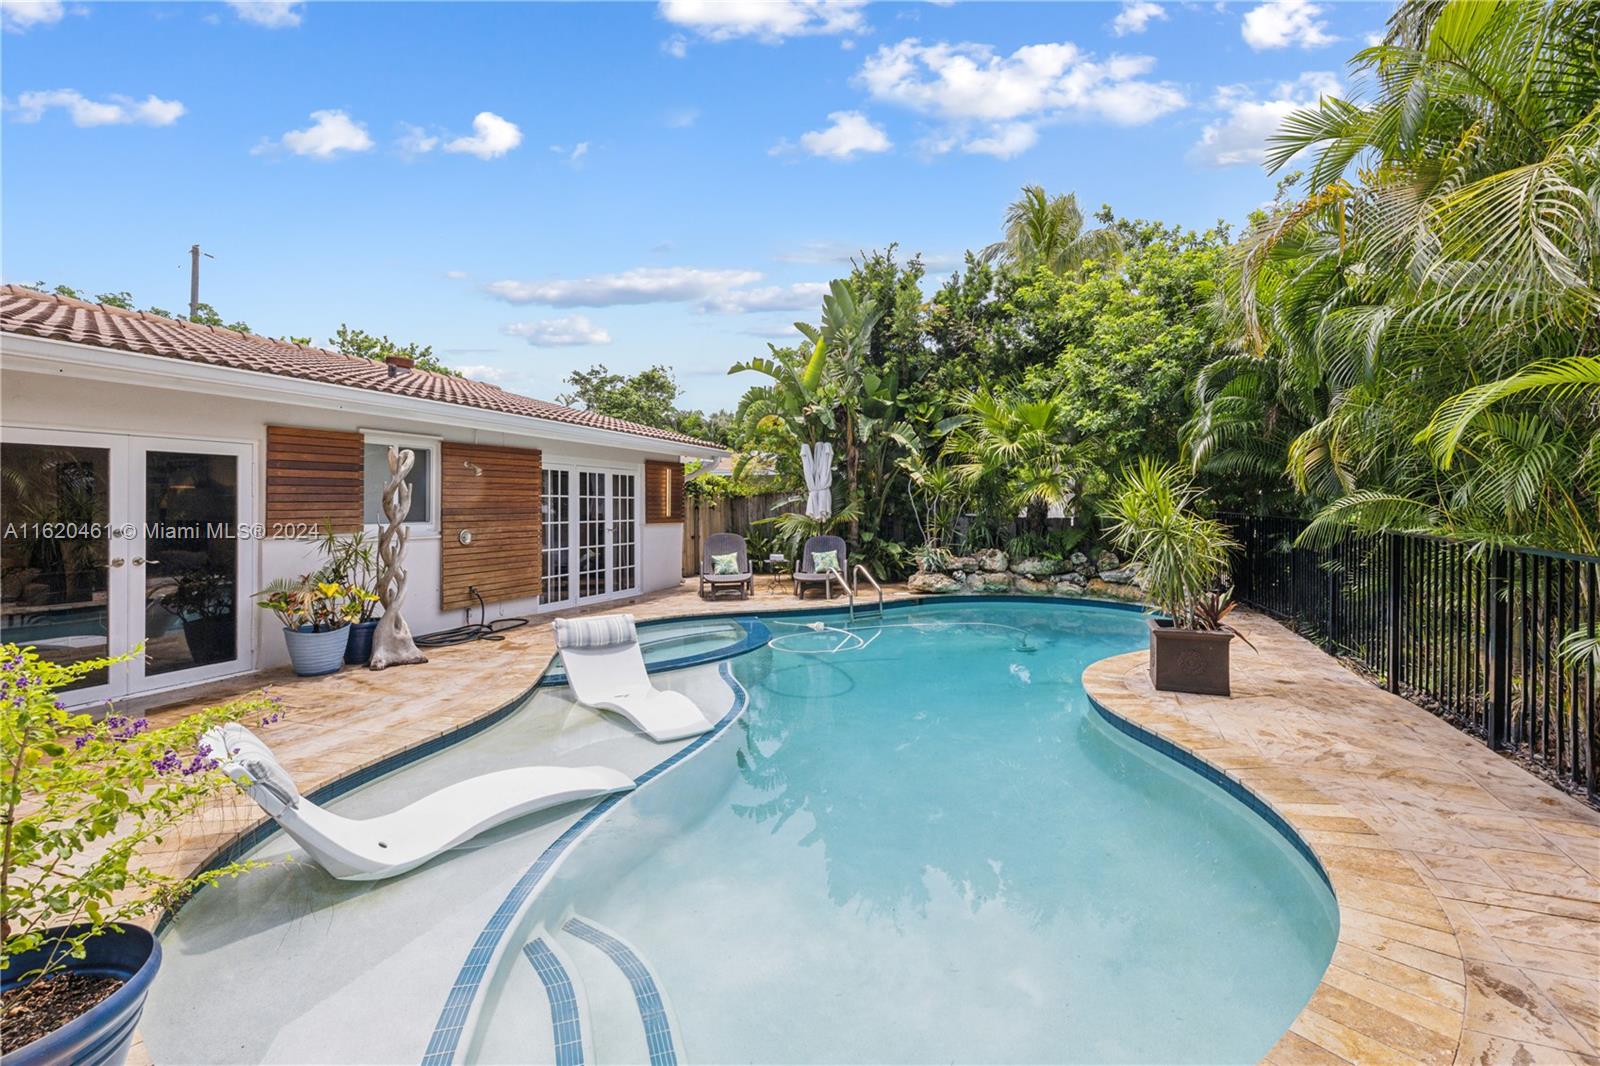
(34, 314)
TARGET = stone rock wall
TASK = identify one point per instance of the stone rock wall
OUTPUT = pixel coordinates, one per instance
(989, 571)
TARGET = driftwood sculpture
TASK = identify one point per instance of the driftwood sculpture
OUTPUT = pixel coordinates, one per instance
(391, 641)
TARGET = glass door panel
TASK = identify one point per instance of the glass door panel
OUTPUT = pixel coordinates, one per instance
(190, 562)
(56, 561)
(555, 541)
(591, 533)
(624, 548)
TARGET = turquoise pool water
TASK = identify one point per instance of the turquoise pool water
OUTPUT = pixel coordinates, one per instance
(919, 844)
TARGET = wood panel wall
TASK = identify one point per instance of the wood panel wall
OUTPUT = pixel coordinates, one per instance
(663, 491)
(501, 508)
(313, 477)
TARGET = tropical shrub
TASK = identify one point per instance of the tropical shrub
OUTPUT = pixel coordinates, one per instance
(1152, 516)
(82, 799)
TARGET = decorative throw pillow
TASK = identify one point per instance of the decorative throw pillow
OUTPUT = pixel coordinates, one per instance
(822, 562)
(725, 564)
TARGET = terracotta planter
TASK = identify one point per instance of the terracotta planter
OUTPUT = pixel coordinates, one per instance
(101, 1035)
(1189, 660)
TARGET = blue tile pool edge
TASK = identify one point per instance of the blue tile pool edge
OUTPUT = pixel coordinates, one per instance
(461, 1004)
(1229, 784)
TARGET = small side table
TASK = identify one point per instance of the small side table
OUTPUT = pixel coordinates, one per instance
(777, 569)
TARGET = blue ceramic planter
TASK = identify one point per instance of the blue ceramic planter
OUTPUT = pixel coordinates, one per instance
(359, 651)
(314, 653)
(101, 1035)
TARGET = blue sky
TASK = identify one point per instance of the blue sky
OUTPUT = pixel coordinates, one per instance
(536, 187)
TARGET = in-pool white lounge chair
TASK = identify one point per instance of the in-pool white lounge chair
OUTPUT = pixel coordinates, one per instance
(605, 669)
(370, 849)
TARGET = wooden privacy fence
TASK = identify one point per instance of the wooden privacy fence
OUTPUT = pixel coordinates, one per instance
(703, 517)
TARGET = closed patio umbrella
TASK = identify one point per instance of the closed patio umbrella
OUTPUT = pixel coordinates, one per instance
(817, 463)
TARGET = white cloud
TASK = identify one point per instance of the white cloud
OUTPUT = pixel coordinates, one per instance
(993, 103)
(1281, 23)
(1004, 142)
(330, 133)
(560, 332)
(641, 285)
(273, 14)
(415, 141)
(113, 111)
(492, 137)
(850, 133)
(805, 295)
(1136, 16)
(676, 46)
(573, 156)
(20, 16)
(766, 20)
(1240, 137)
(682, 118)
(481, 372)
(455, 275)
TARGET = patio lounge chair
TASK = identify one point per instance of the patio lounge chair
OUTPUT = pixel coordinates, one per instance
(726, 544)
(605, 669)
(370, 849)
(806, 572)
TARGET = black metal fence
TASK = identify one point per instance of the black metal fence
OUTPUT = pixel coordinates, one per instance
(1469, 632)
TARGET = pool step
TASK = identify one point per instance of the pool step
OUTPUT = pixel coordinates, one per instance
(569, 1014)
(629, 1019)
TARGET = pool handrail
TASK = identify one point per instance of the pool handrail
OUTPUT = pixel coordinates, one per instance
(859, 572)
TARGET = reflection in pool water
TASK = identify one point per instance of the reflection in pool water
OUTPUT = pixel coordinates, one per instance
(927, 847)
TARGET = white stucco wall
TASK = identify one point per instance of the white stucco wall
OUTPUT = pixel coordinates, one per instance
(43, 401)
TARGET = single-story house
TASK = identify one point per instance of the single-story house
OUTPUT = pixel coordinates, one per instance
(158, 473)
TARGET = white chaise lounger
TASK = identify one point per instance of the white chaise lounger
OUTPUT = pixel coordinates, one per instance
(370, 849)
(605, 669)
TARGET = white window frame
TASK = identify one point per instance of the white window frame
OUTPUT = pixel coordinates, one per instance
(433, 448)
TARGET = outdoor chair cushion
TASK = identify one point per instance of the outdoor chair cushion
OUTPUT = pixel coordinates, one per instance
(822, 562)
(602, 632)
(725, 565)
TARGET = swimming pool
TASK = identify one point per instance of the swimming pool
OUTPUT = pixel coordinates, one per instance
(912, 840)
(919, 844)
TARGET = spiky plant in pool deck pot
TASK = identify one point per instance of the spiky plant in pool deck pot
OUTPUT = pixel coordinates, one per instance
(1184, 558)
(80, 801)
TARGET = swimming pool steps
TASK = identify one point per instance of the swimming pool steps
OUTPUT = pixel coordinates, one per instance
(606, 1005)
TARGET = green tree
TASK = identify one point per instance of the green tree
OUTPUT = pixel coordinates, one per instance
(1048, 231)
(1401, 308)
(648, 397)
(360, 343)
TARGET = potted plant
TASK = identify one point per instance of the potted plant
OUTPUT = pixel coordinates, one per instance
(203, 601)
(352, 562)
(316, 628)
(81, 800)
(1185, 557)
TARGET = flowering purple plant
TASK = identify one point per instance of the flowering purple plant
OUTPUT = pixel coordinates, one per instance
(80, 799)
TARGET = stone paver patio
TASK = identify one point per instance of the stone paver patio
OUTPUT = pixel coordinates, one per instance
(1469, 891)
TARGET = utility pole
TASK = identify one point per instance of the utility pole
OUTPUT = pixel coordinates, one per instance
(194, 279)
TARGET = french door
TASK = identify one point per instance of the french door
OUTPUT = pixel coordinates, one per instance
(112, 543)
(590, 534)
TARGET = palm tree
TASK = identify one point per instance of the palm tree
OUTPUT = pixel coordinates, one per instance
(1428, 311)
(1024, 446)
(1045, 230)
(846, 332)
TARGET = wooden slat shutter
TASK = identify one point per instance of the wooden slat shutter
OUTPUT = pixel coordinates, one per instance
(663, 491)
(500, 507)
(313, 477)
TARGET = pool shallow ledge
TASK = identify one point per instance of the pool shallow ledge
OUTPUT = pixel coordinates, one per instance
(1342, 1020)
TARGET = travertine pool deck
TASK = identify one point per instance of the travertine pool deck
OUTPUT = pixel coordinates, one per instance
(1469, 891)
